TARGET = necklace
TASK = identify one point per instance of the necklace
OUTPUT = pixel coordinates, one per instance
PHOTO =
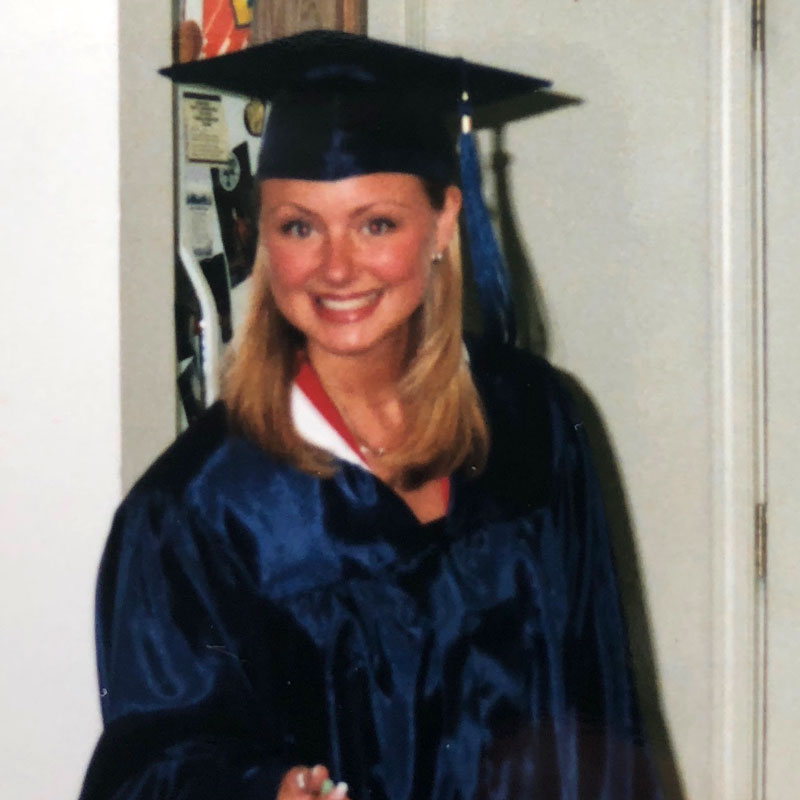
(371, 452)
(364, 449)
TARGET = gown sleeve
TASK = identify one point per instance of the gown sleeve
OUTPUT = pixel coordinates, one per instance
(585, 739)
(181, 716)
(603, 752)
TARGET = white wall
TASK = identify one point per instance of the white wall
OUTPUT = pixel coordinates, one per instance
(87, 361)
(147, 322)
(59, 397)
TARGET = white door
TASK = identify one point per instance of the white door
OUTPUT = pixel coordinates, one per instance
(633, 212)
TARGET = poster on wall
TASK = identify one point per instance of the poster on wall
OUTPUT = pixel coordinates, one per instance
(235, 201)
(226, 26)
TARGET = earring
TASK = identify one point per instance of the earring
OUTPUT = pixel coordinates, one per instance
(437, 258)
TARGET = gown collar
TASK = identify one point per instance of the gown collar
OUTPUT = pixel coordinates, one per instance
(317, 419)
(319, 422)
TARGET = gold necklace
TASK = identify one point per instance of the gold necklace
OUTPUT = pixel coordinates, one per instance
(370, 452)
(365, 449)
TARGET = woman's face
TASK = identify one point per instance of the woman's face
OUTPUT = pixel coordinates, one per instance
(349, 260)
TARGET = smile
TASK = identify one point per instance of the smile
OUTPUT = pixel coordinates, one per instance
(349, 303)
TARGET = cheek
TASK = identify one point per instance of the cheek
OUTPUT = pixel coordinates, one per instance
(400, 260)
(287, 266)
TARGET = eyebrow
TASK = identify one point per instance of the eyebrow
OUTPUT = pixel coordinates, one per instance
(387, 201)
(289, 204)
(355, 212)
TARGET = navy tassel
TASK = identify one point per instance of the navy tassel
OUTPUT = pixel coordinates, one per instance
(489, 269)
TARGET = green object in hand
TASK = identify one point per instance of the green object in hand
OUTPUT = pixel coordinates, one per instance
(327, 786)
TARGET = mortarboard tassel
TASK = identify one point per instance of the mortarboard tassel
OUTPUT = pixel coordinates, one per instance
(489, 269)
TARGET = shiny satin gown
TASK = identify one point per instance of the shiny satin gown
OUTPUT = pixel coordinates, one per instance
(251, 617)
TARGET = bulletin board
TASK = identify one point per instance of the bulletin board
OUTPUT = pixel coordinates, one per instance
(216, 152)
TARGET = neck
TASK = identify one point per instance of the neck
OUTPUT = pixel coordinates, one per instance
(364, 387)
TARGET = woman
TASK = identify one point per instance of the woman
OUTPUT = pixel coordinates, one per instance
(382, 561)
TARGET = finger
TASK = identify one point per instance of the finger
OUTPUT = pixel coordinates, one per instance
(295, 784)
(300, 779)
(338, 792)
(316, 777)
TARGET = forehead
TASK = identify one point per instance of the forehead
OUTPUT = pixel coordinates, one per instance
(392, 188)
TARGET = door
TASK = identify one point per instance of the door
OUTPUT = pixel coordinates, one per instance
(627, 221)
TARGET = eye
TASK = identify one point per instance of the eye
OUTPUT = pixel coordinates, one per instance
(376, 226)
(298, 228)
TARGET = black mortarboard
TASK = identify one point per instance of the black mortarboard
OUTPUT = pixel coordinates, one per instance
(346, 105)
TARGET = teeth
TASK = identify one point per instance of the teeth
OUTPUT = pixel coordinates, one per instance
(348, 304)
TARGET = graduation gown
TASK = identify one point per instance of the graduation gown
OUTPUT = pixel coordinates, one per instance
(251, 617)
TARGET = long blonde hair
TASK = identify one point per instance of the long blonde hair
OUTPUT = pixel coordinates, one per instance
(445, 427)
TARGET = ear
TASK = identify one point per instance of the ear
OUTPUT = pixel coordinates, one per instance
(448, 218)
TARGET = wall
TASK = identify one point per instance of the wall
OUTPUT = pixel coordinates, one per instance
(87, 395)
(60, 446)
(147, 327)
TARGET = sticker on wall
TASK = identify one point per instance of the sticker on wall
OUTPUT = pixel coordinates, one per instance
(226, 26)
(200, 207)
(242, 12)
(254, 117)
(229, 174)
(206, 131)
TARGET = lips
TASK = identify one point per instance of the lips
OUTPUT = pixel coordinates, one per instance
(347, 303)
(344, 309)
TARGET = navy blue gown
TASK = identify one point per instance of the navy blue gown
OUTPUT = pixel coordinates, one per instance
(251, 617)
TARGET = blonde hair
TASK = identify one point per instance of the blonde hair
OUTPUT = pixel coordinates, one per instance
(445, 425)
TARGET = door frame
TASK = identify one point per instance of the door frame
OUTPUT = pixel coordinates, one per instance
(782, 331)
(736, 321)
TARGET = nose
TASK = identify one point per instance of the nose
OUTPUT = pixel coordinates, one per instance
(336, 259)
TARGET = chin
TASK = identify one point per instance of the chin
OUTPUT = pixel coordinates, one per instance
(358, 342)
(347, 348)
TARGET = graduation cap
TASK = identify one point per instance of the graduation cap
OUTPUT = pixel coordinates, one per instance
(344, 105)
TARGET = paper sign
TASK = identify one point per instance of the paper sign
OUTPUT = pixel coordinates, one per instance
(206, 131)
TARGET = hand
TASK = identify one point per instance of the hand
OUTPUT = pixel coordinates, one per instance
(300, 783)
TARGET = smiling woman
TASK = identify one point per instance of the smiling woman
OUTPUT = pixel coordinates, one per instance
(333, 567)
(349, 265)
